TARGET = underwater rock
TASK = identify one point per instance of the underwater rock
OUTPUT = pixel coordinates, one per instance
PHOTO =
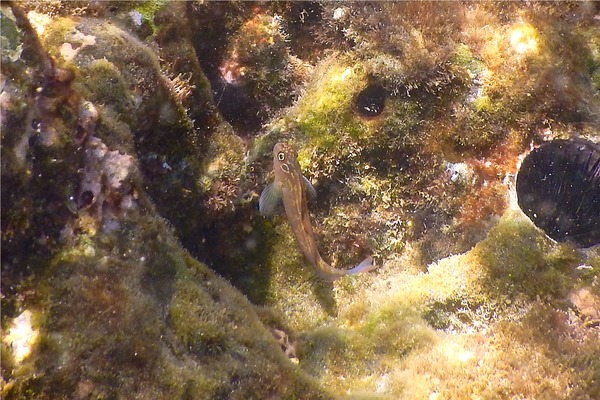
(99, 299)
(167, 110)
(257, 74)
(558, 188)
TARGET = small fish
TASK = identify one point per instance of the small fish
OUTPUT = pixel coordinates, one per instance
(292, 188)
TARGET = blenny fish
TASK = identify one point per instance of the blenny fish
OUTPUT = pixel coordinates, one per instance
(292, 189)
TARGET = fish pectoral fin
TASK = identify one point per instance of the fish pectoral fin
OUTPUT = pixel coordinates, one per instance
(311, 193)
(270, 201)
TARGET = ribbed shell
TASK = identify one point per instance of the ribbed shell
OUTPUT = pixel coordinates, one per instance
(558, 188)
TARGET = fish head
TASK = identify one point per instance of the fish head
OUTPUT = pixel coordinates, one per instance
(285, 162)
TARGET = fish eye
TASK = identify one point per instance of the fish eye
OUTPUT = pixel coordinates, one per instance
(281, 156)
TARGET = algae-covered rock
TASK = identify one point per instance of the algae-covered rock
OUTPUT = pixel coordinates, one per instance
(411, 133)
(99, 299)
(137, 136)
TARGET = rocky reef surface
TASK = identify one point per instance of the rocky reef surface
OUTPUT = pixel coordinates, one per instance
(137, 137)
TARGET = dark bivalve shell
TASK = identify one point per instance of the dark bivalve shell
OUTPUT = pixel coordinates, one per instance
(558, 188)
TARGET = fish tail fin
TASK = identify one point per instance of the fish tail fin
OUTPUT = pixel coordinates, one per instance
(329, 273)
(364, 266)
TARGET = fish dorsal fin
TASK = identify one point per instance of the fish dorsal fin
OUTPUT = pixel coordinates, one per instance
(311, 193)
(270, 201)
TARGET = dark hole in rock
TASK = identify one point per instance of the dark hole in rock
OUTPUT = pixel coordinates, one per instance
(36, 124)
(239, 108)
(86, 198)
(370, 102)
(33, 140)
(80, 133)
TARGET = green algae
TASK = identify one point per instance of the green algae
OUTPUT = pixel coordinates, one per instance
(122, 302)
(491, 287)
(521, 261)
(103, 83)
(148, 10)
(325, 114)
(496, 321)
(417, 319)
(122, 293)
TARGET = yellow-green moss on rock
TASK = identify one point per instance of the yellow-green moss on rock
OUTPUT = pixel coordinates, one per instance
(447, 330)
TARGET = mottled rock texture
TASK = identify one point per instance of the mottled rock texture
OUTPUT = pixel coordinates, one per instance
(137, 136)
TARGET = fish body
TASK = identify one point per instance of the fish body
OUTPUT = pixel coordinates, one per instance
(292, 189)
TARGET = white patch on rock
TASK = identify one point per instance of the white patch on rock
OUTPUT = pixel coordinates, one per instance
(103, 176)
(76, 41)
(21, 336)
(136, 17)
(338, 13)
